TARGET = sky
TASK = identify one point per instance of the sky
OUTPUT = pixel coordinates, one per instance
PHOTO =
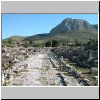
(31, 24)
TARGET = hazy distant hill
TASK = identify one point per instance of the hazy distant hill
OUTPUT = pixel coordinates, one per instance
(15, 38)
(38, 36)
(68, 29)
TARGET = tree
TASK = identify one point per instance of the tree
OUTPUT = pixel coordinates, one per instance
(47, 43)
(77, 43)
(55, 43)
(30, 42)
(92, 42)
(10, 41)
(52, 43)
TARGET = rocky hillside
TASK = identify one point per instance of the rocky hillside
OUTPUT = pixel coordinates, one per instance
(95, 26)
(70, 24)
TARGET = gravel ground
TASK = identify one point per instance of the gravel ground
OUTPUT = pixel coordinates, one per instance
(37, 73)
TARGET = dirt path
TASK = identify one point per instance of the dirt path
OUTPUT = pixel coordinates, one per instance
(37, 73)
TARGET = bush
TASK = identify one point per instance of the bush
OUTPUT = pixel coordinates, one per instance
(55, 43)
(52, 43)
(48, 44)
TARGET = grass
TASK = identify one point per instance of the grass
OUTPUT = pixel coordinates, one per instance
(88, 74)
(37, 68)
(83, 70)
(66, 74)
(92, 79)
(47, 68)
(67, 61)
(79, 68)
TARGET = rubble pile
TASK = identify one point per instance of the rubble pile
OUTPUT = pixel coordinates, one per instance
(82, 56)
(10, 61)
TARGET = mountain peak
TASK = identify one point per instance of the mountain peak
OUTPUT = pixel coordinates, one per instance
(70, 24)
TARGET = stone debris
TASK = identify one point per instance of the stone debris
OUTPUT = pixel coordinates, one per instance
(11, 61)
(82, 56)
(45, 67)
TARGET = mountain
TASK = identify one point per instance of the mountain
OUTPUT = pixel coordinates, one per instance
(38, 36)
(15, 38)
(69, 29)
(95, 26)
(70, 24)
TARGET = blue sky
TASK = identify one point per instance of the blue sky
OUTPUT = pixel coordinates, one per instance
(31, 24)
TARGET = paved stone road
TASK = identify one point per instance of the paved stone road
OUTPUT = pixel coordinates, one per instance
(38, 72)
